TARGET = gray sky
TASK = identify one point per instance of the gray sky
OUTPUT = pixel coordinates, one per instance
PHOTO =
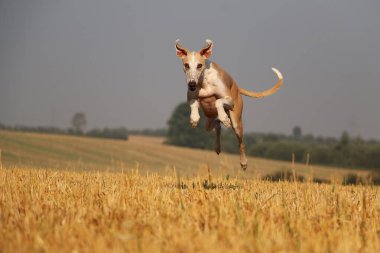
(115, 61)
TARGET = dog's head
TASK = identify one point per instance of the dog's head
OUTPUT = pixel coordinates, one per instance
(194, 63)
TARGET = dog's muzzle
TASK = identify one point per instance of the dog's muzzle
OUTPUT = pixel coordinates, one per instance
(192, 86)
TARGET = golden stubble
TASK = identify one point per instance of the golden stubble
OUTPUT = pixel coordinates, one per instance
(43, 210)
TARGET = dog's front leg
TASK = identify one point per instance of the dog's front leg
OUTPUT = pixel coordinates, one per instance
(194, 115)
(221, 104)
(203, 93)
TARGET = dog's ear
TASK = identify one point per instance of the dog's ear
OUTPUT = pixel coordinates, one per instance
(206, 50)
(180, 50)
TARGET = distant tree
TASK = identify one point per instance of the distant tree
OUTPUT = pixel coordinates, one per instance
(180, 132)
(79, 122)
(297, 132)
(343, 156)
(344, 139)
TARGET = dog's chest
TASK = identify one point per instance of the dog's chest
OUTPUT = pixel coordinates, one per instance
(213, 83)
(215, 87)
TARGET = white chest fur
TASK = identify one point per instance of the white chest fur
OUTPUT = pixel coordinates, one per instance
(212, 84)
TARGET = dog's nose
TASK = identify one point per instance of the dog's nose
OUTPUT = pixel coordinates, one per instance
(192, 85)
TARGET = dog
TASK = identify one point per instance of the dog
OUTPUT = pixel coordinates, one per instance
(215, 91)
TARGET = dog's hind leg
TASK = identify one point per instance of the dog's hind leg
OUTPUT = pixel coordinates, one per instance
(217, 141)
(238, 128)
(214, 124)
(237, 125)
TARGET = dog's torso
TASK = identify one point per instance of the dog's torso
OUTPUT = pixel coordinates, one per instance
(215, 84)
(208, 106)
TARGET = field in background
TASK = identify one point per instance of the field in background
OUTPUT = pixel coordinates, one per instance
(145, 153)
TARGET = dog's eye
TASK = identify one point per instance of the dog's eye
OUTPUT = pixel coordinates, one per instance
(199, 66)
(187, 66)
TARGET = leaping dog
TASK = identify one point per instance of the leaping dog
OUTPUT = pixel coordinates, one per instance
(213, 89)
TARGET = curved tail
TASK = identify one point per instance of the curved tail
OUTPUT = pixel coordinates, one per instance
(267, 92)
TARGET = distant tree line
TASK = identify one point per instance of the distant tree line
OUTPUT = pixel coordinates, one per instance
(36, 129)
(120, 133)
(344, 151)
(159, 132)
(78, 127)
(78, 123)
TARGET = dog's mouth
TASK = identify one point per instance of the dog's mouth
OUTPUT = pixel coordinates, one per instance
(192, 86)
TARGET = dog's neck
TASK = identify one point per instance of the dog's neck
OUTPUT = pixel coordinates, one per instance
(202, 76)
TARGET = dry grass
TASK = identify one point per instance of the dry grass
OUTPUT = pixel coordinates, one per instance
(72, 194)
(63, 211)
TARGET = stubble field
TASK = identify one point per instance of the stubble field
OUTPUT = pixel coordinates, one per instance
(45, 209)
(54, 211)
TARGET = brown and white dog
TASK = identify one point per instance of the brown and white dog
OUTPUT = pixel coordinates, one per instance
(213, 89)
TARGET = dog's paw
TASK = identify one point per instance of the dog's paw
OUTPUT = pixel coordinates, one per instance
(194, 124)
(217, 150)
(194, 120)
(244, 166)
(225, 120)
(243, 163)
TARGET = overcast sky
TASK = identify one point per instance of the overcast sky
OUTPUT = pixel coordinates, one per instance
(115, 61)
